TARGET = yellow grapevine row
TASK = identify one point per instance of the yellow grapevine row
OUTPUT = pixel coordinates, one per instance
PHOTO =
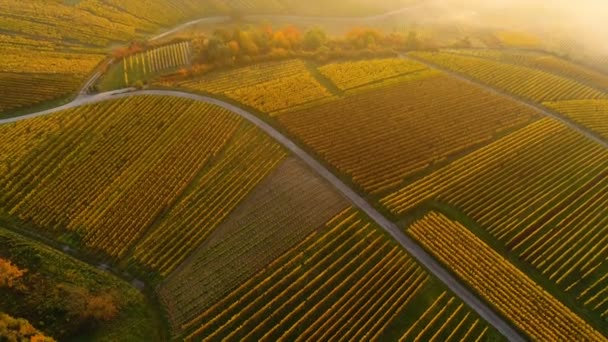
(348, 75)
(516, 296)
(539, 85)
(345, 282)
(383, 136)
(243, 165)
(521, 190)
(116, 167)
(267, 223)
(592, 114)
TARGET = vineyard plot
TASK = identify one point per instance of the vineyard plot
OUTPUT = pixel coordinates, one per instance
(270, 87)
(147, 65)
(545, 62)
(283, 209)
(592, 114)
(112, 168)
(509, 290)
(352, 75)
(346, 281)
(379, 138)
(542, 193)
(524, 82)
(250, 157)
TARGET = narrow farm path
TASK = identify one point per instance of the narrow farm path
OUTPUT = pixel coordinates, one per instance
(538, 107)
(392, 229)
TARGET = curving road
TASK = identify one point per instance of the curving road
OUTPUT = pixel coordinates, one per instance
(319, 20)
(410, 245)
(530, 104)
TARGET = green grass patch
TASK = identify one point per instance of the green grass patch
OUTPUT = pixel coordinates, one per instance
(56, 291)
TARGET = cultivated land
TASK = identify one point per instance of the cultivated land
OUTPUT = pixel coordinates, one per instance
(268, 87)
(381, 137)
(243, 235)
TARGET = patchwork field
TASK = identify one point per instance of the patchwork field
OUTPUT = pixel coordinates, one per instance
(345, 280)
(525, 82)
(515, 295)
(541, 194)
(144, 66)
(381, 137)
(249, 158)
(186, 169)
(545, 62)
(307, 215)
(287, 206)
(373, 73)
(268, 87)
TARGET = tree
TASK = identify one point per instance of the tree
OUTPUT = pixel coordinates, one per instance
(10, 275)
(247, 44)
(314, 39)
(412, 42)
(293, 35)
(279, 40)
(101, 308)
(235, 48)
(19, 329)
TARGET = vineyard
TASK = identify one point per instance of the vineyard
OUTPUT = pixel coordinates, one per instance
(518, 39)
(446, 319)
(592, 114)
(127, 162)
(269, 87)
(349, 75)
(93, 22)
(51, 75)
(541, 61)
(379, 138)
(524, 82)
(146, 65)
(285, 207)
(50, 47)
(542, 193)
(510, 291)
(22, 90)
(346, 281)
(221, 187)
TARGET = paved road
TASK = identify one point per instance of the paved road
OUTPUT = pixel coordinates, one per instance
(538, 107)
(319, 20)
(412, 247)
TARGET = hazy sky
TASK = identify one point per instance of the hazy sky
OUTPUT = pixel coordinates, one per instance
(586, 21)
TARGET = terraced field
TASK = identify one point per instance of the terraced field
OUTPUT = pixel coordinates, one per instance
(381, 137)
(525, 82)
(541, 193)
(269, 87)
